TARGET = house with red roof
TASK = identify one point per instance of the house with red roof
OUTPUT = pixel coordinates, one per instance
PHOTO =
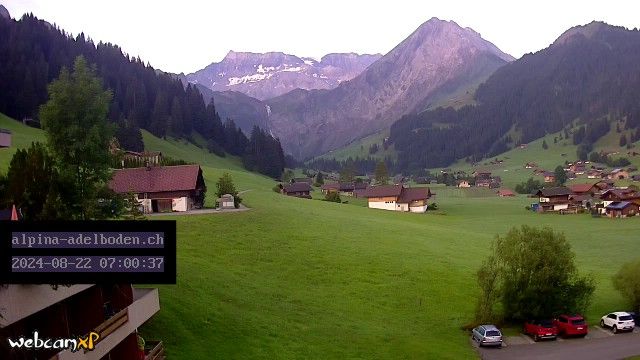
(505, 193)
(162, 188)
(398, 198)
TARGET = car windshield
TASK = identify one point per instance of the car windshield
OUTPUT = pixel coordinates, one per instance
(577, 322)
(546, 323)
(625, 318)
(492, 333)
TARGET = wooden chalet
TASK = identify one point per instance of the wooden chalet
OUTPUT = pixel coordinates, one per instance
(583, 189)
(618, 174)
(297, 189)
(549, 177)
(553, 199)
(162, 188)
(505, 193)
(617, 195)
(344, 189)
(621, 209)
(307, 180)
(398, 198)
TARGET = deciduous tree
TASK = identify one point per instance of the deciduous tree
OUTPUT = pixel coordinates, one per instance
(78, 134)
(627, 282)
(535, 276)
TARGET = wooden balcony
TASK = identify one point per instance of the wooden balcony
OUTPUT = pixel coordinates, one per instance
(154, 350)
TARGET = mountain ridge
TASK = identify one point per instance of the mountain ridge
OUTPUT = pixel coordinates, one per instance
(437, 58)
(271, 74)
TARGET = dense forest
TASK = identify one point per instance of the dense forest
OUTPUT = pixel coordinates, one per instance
(588, 77)
(32, 53)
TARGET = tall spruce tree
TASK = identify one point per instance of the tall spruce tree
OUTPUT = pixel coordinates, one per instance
(78, 134)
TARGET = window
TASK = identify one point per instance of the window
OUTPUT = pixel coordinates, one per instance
(611, 316)
(563, 319)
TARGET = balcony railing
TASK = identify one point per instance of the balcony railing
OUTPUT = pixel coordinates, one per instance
(154, 350)
(112, 324)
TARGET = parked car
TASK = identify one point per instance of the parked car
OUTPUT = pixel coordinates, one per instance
(541, 329)
(487, 335)
(618, 321)
(571, 325)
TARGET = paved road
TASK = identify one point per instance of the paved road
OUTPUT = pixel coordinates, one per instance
(200, 212)
(603, 346)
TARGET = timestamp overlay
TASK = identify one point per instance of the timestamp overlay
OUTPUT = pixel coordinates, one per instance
(88, 252)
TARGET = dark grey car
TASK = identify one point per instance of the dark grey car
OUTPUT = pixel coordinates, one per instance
(487, 335)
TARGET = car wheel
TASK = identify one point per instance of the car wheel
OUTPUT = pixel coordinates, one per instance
(536, 338)
(615, 329)
(602, 324)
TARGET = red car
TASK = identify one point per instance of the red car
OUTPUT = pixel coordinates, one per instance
(571, 325)
(541, 329)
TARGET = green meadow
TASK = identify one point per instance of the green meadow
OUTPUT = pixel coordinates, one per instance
(297, 278)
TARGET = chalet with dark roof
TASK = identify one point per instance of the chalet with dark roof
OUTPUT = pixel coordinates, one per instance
(621, 209)
(398, 198)
(307, 180)
(616, 195)
(345, 189)
(162, 188)
(553, 199)
(297, 189)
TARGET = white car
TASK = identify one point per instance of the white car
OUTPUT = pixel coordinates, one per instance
(618, 321)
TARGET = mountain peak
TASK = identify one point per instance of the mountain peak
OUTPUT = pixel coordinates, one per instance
(4, 13)
(437, 30)
(588, 31)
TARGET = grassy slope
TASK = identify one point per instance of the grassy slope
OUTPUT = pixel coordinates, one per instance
(512, 170)
(360, 148)
(22, 136)
(296, 278)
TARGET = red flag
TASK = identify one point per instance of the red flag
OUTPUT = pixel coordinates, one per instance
(14, 213)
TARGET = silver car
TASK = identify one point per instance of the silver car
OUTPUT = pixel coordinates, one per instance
(487, 335)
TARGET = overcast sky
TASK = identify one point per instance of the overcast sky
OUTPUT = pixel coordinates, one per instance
(186, 35)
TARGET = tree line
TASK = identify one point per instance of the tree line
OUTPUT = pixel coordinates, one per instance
(588, 80)
(34, 52)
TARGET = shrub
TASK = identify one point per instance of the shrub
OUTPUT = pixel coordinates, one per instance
(332, 196)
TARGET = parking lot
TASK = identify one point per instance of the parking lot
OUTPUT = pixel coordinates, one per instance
(598, 344)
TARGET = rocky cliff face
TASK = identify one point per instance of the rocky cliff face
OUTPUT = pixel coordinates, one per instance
(264, 76)
(439, 58)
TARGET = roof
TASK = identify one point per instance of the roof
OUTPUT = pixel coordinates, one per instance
(155, 179)
(580, 188)
(413, 194)
(5, 131)
(383, 191)
(554, 191)
(506, 192)
(549, 173)
(330, 186)
(622, 194)
(304, 179)
(297, 187)
(619, 205)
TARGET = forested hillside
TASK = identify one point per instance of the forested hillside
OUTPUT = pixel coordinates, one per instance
(589, 76)
(32, 53)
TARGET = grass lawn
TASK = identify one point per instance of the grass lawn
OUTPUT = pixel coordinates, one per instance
(297, 278)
